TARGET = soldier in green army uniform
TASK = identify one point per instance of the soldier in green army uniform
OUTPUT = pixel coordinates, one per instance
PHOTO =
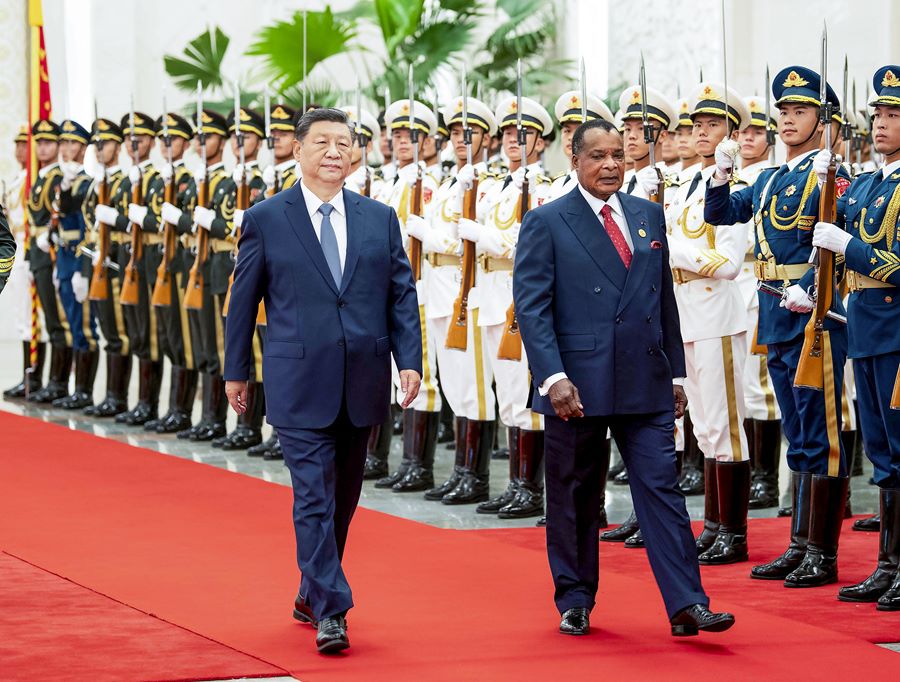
(174, 135)
(40, 214)
(107, 138)
(246, 145)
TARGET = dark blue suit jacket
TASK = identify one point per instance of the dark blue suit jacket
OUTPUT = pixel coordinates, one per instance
(614, 332)
(324, 344)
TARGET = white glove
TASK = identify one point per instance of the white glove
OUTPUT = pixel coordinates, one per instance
(409, 174)
(79, 287)
(238, 174)
(200, 176)
(106, 214)
(831, 237)
(137, 213)
(648, 179)
(417, 226)
(203, 217)
(470, 230)
(165, 172)
(238, 217)
(518, 177)
(797, 300)
(43, 242)
(170, 213)
(134, 174)
(726, 153)
(70, 172)
(465, 177)
(268, 176)
(95, 258)
(55, 277)
(821, 162)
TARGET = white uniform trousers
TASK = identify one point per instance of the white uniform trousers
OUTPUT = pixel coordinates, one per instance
(714, 388)
(466, 375)
(15, 304)
(513, 382)
(429, 398)
(759, 396)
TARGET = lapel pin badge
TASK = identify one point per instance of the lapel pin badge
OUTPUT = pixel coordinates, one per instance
(642, 232)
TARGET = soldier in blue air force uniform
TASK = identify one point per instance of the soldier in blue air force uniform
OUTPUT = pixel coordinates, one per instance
(869, 212)
(784, 202)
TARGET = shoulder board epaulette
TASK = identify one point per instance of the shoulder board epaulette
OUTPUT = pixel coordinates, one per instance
(559, 175)
(541, 178)
(671, 180)
(736, 179)
(54, 172)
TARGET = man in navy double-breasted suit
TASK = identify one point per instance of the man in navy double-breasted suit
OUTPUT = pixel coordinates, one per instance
(594, 299)
(340, 299)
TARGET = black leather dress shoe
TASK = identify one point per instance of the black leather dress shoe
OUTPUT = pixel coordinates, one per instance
(693, 619)
(576, 621)
(332, 635)
(303, 612)
(636, 541)
(871, 524)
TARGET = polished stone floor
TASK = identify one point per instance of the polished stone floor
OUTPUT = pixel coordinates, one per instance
(411, 506)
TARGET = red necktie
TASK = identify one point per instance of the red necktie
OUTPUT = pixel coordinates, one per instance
(615, 233)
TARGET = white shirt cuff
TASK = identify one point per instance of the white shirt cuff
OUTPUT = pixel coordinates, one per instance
(678, 381)
(544, 388)
(716, 181)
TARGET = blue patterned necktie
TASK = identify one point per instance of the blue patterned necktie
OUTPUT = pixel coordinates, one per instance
(329, 243)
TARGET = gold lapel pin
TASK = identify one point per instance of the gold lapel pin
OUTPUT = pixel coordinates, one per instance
(642, 232)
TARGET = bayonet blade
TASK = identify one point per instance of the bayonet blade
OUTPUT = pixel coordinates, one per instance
(725, 73)
(521, 135)
(583, 93)
(304, 63)
(270, 143)
(770, 134)
(467, 131)
(413, 133)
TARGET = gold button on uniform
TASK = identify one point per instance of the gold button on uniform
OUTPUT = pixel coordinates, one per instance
(888, 299)
(642, 233)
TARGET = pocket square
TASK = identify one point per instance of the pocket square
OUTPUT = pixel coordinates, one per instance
(851, 201)
(655, 244)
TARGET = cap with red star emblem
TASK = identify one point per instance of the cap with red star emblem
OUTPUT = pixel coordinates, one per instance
(887, 86)
(709, 98)
(659, 108)
(422, 119)
(568, 108)
(533, 115)
(477, 112)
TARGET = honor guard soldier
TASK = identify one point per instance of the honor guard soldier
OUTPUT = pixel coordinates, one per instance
(412, 195)
(72, 283)
(209, 271)
(101, 208)
(524, 131)
(569, 116)
(18, 286)
(642, 179)
(248, 179)
(868, 212)
(7, 249)
(705, 263)
(40, 215)
(688, 158)
(763, 422)
(139, 227)
(462, 353)
(363, 179)
(784, 203)
(171, 193)
(434, 146)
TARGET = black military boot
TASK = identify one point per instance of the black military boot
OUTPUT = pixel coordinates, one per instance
(248, 431)
(828, 501)
(730, 545)
(389, 480)
(274, 453)
(765, 454)
(118, 376)
(859, 454)
(615, 469)
(692, 473)
(397, 416)
(623, 532)
(495, 504)
(217, 404)
(529, 499)
(445, 427)
(377, 451)
(890, 600)
(871, 589)
(801, 485)
(264, 447)
(474, 484)
(58, 380)
(204, 423)
(419, 474)
(435, 494)
(182, 392)
(147, 408)
(870, 524)
(85, 372)
(31, 380)
(711, 507)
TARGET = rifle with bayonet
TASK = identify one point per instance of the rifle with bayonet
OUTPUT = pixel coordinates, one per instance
(457, 336)
(243, 190)
(811, 367)
(162, 290)
(650, 137)
(100, 288)
(415, 201)
(363, 143)
(193, 296)
(847, 126)
(131, 281)
(511, 342)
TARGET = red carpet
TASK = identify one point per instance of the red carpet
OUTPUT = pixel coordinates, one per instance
(212, 552)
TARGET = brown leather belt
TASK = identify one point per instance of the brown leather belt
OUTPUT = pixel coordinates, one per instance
(151, 238)
(221, 245)
(858, 282)
(680, 276)
(770, 270)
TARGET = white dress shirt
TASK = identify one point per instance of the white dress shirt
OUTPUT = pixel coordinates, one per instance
(338, 218)
(618, 216)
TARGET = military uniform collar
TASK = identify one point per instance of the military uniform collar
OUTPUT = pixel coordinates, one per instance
(251, 164)
(46, 169)
(215, 167)
(797, 160)
(754, 168)
(285, 165)
(890, 169)
(144, 164)
(112, 170)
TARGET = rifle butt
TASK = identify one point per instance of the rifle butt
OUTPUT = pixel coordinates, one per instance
(811, 368)
(895, 396)
(162, 291)
(129, 294)
(193, 296)
(261, 320)
(227, 301)
(99, 290)
(511, 343)
(457, 335)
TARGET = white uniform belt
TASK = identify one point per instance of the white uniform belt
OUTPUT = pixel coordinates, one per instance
(770, 270)
(491, 264)
(680, 276)
(858, 282)
(439, 259)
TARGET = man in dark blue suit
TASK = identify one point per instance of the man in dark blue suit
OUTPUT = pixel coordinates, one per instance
(594, 299)
(340, 298)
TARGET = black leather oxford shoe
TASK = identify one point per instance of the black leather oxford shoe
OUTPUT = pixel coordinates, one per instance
(303, 612)
(691, 620)
(576, 621)
(332, 635)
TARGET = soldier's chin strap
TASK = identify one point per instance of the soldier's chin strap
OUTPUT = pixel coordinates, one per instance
(808, 137)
